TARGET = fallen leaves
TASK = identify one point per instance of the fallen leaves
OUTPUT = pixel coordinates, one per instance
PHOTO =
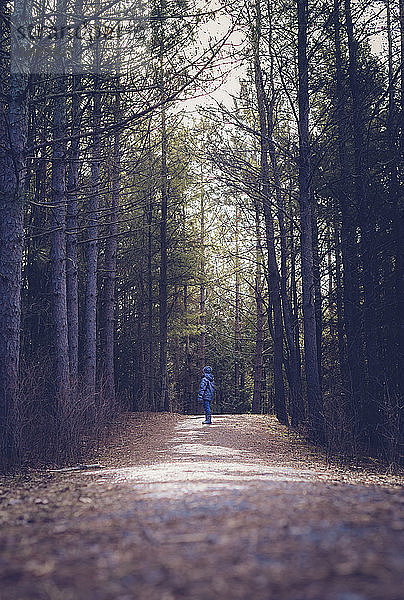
(245, 509)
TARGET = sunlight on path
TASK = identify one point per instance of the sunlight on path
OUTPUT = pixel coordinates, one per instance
(187, 512)
(198, 465)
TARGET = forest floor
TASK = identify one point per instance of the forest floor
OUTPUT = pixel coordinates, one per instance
(243, 509)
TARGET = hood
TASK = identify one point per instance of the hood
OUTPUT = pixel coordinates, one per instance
(207, 370)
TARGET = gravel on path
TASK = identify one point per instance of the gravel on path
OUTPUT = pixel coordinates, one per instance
(243, 509)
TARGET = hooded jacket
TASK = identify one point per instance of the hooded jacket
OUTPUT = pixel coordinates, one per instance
(207, 386)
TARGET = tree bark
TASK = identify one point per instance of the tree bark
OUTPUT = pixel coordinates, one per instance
(318, 302)
(293, 371)
(163, 286)
(202, 292)
(72, 213)
(372, 399)
(71, 244)
(58, 237)
(295, 319)
(188, 403)
(150, 337)
(90, 305)
(314, 398)
(237, 343)
(13, 139)
(351, 292)
(342, 356)
(37, 285)
(399, 247)
(259, 335)
(330, 277)
(111, 247)
(58, 249)
(402, 76)
(273, 273)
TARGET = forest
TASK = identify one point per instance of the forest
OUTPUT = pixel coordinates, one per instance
(192, 182)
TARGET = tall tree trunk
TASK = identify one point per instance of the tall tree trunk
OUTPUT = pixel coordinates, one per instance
(273, 273)
(317, 287)
(13, 138)
(188, 403)
(237, 342)
(150, 378)
(295, 315)
(331, 323)
(295, 320)
(164, 398)
(390, 61)
(351, 291)
(293, 370)
(202, 294)
(58, 250)
(71, 246)
(402, 76)
(259, 335)
(295, 382)
(72, 212)
(90, 305)
(339, 305)
(391, 309)
(58, 237)
(110, 263)
(314, 399)
(139, 347)
(36, 283)
(399, 247)
(72, 264)
(372, 399)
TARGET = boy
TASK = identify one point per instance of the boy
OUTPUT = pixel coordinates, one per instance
(206, 393)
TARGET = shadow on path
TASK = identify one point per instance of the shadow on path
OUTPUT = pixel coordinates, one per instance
(241, 509)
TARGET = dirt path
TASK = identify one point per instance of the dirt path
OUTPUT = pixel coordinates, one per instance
(239, 510)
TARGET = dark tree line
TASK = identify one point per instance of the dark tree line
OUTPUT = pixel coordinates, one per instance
(318, 153)
(85, 168)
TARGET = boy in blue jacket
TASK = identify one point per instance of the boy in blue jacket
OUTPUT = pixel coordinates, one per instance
(206, 393)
